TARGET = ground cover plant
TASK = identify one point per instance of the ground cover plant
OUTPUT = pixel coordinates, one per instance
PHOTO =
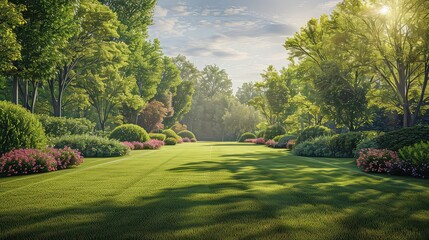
(214, 191)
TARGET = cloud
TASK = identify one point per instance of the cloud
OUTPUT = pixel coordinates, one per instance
(329, 5)
(235, 11)
(160, 11)
(181, 10)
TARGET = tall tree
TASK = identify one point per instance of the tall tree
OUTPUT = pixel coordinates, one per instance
(246, 92)
(398, 38)
(97, 25)
(49, 25)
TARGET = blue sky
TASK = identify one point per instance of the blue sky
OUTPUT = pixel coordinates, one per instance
(242, 36)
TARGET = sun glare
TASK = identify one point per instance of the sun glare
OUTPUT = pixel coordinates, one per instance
(384, 10)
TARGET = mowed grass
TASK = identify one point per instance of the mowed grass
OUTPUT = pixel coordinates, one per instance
(214, 191)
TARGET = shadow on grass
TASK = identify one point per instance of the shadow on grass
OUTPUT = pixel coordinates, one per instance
(270, 196)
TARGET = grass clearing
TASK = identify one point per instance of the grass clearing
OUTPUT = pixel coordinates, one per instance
(214, 191)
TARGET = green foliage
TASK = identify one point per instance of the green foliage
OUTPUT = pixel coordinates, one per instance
(285, 139)
(398, 139)
(60, 126)
(344, 145)
(186, 134)
(170, 141)
(314, 147)
(274, 130)
(19, 128)
(93, 146)
(260, 133)
(171, 134)
(313, 132)
(416, 154)
(10, 49)
(277, 138)
(246, 135)
(157, 136)
(129, 133)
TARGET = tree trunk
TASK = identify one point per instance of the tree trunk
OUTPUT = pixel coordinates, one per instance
(34, 96)
(15, 97)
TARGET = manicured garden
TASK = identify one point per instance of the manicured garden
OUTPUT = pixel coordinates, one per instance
(212, 190)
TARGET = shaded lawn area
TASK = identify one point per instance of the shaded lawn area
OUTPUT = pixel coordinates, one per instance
(214, 191)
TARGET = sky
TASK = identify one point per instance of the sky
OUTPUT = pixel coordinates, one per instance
(243, 37)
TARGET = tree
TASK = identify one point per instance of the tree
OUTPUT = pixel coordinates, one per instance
(49, 25)
(240, 118)
(10, 49)
(152, 116)
(398, 39)
(246, 92)
(97, 26)
(188, 71)
(214, 81)
(181, 102)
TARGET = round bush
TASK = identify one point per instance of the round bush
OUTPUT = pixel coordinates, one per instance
(171, 134)
(345, 144)
(157, 136)
(274, 130)
(60, 126)
(93, 146)
(317, 147)
(246, 135)
(19, 128)
(129, 133)
(186, 134)
(170, 141)
(313, 132)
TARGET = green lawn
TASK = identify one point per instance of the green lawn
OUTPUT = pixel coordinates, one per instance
(214, 191)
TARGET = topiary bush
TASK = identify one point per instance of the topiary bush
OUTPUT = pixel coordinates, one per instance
(186, 134)
(171, 134)
(93, 146)
(157, 136)
(398, 139)
(170, 141)
(274, 130)
(129, 133)
(313, 132)
(317, 147)
(60, 126)
(19, 128)
(246, 135)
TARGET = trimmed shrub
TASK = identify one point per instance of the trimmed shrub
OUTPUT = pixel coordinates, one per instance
(260, 141)
(129, 133)
(170, 141)
(277, 138)
(193, 140)
(153, 144)
(270, 143)
(398, 139)
(138, 145)
(93, 146)
(285, 139)
(19, 128)
(317, 147)
(376, 160)
(26, 161)
(66, 157)
(185, 139)
(344, 145)
(60, 126)
(246, 135)
(260, 134)
(274, 130)
(171, 134)
(157, 136)
(186, 134)
(129, 145)
(312, 133)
